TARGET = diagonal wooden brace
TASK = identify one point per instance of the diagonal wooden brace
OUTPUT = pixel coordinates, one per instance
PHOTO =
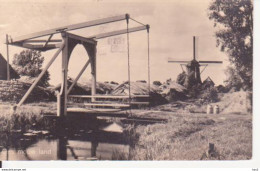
(46, 43)
(78, 76)
(41, 75)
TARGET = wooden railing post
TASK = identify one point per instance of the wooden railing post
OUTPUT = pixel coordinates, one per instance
(94, 75)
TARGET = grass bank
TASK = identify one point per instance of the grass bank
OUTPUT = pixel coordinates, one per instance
(187, 137)
(24, 118)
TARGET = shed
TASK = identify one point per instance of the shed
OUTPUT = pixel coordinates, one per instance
(208, 83)
(3, 70)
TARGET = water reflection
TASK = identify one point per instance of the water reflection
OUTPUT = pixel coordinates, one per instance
(88, 144)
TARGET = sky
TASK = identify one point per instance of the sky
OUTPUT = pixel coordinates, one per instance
(173, 25)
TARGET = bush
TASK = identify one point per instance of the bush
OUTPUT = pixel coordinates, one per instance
(194, 91)
(158, 83)
(181, 78)
(210, 95)
(221, 89)
(29, 63)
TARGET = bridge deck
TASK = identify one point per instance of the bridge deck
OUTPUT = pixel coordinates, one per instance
(98, 112)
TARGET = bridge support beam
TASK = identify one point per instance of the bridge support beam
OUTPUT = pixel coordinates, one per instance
(70, 41)
(94, 75)
(92, 50)
(62, 96)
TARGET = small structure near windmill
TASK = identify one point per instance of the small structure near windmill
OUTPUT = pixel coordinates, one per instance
(193, 73)
(3, 70)
(208, 83)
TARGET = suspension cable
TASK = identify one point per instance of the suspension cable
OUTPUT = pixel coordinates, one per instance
(128, 57)
(148, 60)
(137, 21)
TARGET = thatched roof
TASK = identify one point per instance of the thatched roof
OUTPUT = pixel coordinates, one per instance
(172, 85)
(173, 91)
(208, 83)
(140, 88)
(136, 88)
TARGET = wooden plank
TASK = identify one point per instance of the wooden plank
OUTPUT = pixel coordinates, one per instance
(97, 112)
(140, 103)
(91, 110)
(108, 96)
(41, 47)
(107, 104)
(70, 27)
(42, 41)
(116, 102)
(140, 120)
(119, 32)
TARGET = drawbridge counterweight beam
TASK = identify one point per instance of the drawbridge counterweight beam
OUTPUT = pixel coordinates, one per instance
(70, 28)
(119, 32)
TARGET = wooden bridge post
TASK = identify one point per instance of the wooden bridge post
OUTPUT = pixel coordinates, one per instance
(94, 74)
(62, 148)
(62, 99)
(92, 50)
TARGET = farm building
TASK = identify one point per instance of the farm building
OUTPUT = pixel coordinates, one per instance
(3, 70)
(207, 83)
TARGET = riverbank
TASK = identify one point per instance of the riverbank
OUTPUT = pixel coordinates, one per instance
(186, 136)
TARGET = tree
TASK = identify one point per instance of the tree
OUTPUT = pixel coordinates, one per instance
(29, 63)
(158, 83)
(234, 18)
(234, 80)
(181, 78)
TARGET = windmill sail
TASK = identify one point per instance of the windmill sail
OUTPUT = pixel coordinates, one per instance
(174, 61)
(211, 62)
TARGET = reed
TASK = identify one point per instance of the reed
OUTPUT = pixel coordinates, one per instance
(24, 118)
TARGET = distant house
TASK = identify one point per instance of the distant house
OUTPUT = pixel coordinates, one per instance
(207, 83)
(3, 70)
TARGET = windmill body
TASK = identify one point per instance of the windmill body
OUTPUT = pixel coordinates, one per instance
(193, 68)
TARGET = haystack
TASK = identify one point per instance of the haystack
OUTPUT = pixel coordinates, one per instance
(239, 102)
(173, 91)
(13, 91)
(84, 88)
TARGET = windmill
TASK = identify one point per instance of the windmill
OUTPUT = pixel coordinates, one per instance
(193, 68)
